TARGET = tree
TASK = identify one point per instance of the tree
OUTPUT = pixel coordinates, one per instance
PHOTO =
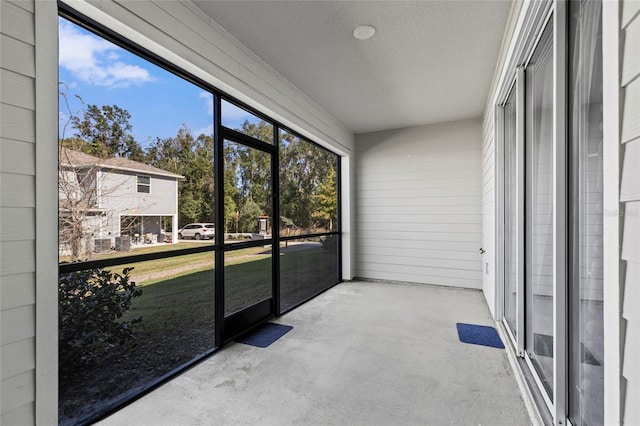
(107, 132)
(191, 157)
(304, 167)
(326, 201)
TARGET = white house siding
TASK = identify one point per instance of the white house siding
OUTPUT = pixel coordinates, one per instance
(17, 212)
(630, 197)
(419, 204)
(119, 193)
(488, 209)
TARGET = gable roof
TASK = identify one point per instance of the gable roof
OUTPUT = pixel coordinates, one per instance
(70, 158)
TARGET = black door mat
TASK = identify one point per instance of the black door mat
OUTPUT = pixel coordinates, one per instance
(264, 335)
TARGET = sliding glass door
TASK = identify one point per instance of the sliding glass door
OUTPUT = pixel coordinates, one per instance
(511, 214)
(554, 314)
(539, 210)
(586, 343)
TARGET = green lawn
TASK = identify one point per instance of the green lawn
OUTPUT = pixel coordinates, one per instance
(178, 316)
(187, 297)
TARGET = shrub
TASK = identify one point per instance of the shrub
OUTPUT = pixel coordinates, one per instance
(90, 307)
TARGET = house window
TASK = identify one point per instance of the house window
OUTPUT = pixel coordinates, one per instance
(144, 184)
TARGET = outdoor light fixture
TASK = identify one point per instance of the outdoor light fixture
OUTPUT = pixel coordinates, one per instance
(364, 32)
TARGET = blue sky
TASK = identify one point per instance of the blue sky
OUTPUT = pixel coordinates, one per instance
(159, 102)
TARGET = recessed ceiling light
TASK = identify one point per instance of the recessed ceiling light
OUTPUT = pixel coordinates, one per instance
(364, 32)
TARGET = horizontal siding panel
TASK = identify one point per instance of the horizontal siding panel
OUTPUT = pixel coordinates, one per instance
(392, 259)
(430, 210)
(631, 58)
(420, 253)
(18, 324)
(423, 229)
(631, 235)
(372, 240)
(17, 224)
(420, 219)
(17, 22)
(17, 358)
(17, 56)
(372, 176)
(420, 184)
(631, 112)
(630, 10)
(420, 202)
(17, 123)
(17, 157)
(419, 278)
(28, 5)
(631, 305)
(433, 162)
(17, 391)
(17, 90)
(17, 190)
(17, 290)
(430, 236)
(24, 415)
(421, 270)
(17, 257)
(452, 191)
(630, 186)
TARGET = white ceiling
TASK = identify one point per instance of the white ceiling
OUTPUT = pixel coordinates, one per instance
(429, 62)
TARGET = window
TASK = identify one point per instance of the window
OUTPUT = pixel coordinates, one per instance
(144, 184)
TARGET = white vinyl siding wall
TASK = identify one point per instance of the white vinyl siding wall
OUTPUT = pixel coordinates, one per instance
(488, 209)
(119, 193)
(17, 212)
(419, 204)
(630, 197)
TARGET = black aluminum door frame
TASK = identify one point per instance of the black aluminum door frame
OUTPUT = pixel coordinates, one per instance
(229, 327)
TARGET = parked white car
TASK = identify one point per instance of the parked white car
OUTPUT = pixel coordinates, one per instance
(197, 231)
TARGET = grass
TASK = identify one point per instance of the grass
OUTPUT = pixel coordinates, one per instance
(157, 271)
(247, 281)
(178, 318)
(150, 248)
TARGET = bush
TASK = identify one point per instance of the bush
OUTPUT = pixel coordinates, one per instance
(90, 307)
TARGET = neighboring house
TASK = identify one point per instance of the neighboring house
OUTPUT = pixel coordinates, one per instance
(114, 197)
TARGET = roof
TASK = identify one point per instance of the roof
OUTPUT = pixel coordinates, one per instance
(71, 158)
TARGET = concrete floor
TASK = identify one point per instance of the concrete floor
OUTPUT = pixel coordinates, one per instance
(360, 354)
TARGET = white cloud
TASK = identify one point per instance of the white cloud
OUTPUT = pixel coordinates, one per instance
(205, 130)
(232, 113)
(95, 61)
(208, 97)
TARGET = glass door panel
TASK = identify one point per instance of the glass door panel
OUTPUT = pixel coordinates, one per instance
(510, 215)
(247, 277)
(539, 210)
(586, 344)
(248, 258)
